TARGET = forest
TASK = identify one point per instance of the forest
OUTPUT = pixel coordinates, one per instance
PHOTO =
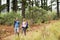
(43, 17)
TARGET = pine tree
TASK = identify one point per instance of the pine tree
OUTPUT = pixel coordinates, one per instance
(23, 8)
(15, 7)
(0, 5)
(8, 5)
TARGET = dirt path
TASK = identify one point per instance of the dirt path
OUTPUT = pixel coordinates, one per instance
(32, 28)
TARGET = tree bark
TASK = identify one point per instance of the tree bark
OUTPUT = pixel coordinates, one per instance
(46, 6)
(35, 2)
(23, 8)
(32, 3)
(29, 6)
(0, 4)
(15, 5)
(41, 3)
(57, 8)
(51, 5)
(8, 5)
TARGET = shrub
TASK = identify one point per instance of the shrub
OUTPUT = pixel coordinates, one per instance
(40, 15)
(9, 18)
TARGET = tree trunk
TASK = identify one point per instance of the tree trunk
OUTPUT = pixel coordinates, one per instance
(35, 2)
(32, 7)
(46, 5)
(8, 5)
(0, 2)
(51, 5)
(32, 3)
(15, 5)
(0, 5)
(29, 6)
(23, 8)
(57, 8)
(41, 3)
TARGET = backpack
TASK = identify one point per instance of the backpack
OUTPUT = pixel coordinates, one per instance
(26, 25)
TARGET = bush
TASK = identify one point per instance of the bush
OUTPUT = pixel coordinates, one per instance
(9, 18)
(40, 15)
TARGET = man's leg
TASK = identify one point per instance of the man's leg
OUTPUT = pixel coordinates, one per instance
(15, 31)
(18, 31)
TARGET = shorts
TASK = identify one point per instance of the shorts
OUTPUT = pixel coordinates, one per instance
(24, 28)
(16, 29)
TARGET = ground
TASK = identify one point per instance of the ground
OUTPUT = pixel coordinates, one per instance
(7, 32)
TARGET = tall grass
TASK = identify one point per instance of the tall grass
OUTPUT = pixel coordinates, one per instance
(51, 32)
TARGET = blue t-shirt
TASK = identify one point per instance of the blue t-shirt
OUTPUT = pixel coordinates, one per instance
(16, 24)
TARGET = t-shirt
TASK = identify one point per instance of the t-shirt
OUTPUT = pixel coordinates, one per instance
(23, 24)
(16, 24)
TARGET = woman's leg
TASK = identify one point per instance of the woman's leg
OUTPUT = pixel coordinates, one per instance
(24, 31)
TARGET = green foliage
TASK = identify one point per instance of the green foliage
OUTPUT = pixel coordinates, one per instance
(3, 7)
(40, 15)
(9, 18)
(37, 14)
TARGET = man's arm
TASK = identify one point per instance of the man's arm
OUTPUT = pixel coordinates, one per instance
(14, 23)
(19, 24)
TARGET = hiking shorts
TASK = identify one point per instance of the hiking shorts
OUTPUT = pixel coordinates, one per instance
(24, 29)
(16, 29)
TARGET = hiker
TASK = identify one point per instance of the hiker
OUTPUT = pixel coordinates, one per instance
(16, 26)
(24, 26)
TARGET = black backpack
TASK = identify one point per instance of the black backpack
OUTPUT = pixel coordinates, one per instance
(27, 25)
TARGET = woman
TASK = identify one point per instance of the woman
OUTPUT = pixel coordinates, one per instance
(24, 26)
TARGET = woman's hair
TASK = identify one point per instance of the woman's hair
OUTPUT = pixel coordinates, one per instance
(24, 19)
